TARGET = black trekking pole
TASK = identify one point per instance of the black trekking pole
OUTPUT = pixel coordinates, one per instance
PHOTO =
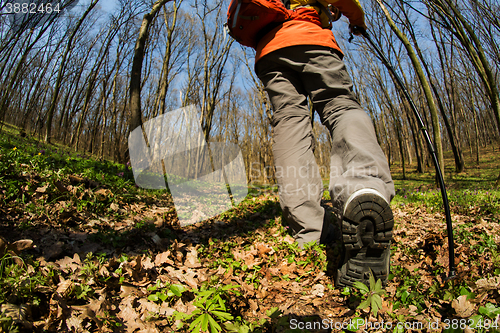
(439, 175)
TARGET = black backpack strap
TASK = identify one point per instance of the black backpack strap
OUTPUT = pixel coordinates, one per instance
(326, 10)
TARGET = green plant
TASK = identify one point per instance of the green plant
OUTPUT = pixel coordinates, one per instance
(109, 320)
(7, 324)
(315, 255)
(275, 319)
(91, 267)
(490, 311)
(164, 294)
(210, 310)
(82, 291)
(373, 294)
(16, 283)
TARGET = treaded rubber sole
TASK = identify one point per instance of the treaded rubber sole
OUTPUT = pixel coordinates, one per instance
(367, 233)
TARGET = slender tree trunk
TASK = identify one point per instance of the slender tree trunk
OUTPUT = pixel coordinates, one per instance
(167, 59)
(474, 117)
(396, 119)
(455, 146)
(6, 99)
(62, 67)
(136, 74)
(102, 55)
(425, 86)
(471, 42)
(416, 143)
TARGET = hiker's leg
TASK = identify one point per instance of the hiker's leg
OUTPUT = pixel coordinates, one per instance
(297, 173)
(357, 161)
(361, 186)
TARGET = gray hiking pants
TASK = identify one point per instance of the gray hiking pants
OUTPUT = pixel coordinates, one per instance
(290, 75)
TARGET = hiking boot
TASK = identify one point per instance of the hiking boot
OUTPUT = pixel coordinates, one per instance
(367, 233)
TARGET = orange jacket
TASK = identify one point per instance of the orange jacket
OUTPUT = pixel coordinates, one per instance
(306, 28)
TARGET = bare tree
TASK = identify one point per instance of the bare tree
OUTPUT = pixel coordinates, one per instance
(136, 73)
(62, 67)
(424, 83)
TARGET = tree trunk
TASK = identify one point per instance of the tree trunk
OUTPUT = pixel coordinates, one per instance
(5, 102)
(62, 67)
(471, 42)
(425, 86)
(135, 75)
(167, 59)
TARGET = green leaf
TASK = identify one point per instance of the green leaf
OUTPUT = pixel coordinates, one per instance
(162, 296)
(404, 296)
(177, 289)
(376, 303)
(206, 293)
(372, 281)
(448, 296)
(475, 320)
(273, 312)
(230, 286)
(196, 324)
(399, 329)
(153, 298)
(363, 288)
(364, 304)
(346, 291)
(464, 291)
(489, 310)
(222, 303)
(223, 315)
(354, 323)
(236, 328)
(204, 323)
(378, 287)
(214, 326)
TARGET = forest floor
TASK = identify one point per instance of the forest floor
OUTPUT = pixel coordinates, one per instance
(85, 250)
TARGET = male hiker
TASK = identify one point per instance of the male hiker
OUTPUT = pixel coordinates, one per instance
(297, 59)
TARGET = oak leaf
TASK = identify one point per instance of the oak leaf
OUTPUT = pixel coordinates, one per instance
(163, 258)
(462, 306)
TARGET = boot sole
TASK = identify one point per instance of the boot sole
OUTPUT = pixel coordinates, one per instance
(367, 233)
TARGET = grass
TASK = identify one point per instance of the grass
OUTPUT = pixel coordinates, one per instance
(33, 173)
(472, 191)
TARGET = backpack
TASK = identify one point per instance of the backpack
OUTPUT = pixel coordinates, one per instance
(249, 20)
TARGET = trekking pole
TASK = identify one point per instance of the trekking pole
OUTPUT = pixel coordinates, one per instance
(449, 227)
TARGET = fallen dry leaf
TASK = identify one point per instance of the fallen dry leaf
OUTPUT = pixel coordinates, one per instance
(19, 313)
(60, 186)
(318, 290)
(463, 307)
(21, 245)
(492, 283)
(163, 258)
(68, 264)
(192, 259)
